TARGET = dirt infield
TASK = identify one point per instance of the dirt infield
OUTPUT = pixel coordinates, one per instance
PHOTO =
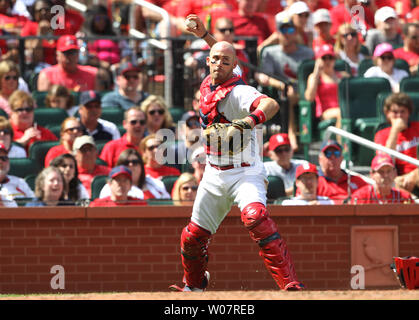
(233, 295)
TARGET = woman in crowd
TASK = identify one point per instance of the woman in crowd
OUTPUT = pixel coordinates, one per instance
(158, 115)
(49, 189)
(70, 130)
(384, 66)
(25, 130)
(73, 188)
(348, 47)
(9, 80)
(143, 187)
(322, 84)
(6, 138)
(60, 97)
(184, 189)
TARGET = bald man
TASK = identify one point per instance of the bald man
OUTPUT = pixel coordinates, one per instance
(239, 179)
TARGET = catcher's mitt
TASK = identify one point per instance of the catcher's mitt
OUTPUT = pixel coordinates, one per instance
(227, 138)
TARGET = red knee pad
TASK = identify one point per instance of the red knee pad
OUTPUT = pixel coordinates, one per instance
(256, 219)
(194, 251)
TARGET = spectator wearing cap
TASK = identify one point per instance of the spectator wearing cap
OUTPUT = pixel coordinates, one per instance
(306, 180)
(126, 93)
(383, 172)
(134, 124)
(322, 85)
(401, 134)
(12, 188)
(85, 152)
(90, 111)
(322, 24)
(386, 29)
(282, 164)
(384, 66)
(120, 182)
(299, 13)
(410, 49)
(334, 182)
(69, 73)
(25, 130)
(284, 59)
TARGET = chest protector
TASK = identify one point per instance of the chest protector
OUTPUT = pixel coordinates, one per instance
(210, 97)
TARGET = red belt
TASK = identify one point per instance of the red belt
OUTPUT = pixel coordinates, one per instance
(231, 166)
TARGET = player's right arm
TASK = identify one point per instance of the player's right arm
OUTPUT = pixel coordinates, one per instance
(200, 30)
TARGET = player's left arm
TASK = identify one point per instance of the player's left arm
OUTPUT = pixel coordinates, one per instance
(262, 110)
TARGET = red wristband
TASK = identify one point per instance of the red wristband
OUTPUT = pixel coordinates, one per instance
(258, 116)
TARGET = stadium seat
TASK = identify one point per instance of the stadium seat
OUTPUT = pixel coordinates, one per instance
(4, 114)
(176, 114)
(39, 149)
(22, 167)
(276, 188)
(169, 182)
(365, 64)
(30, 180)
(410, 84)
(357, 98)
(97, 184)
(49, 117)
(114, 115)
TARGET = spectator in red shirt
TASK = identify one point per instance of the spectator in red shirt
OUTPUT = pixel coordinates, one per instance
(402, 135)
(120, 182)
(153, 158)
(134, 124)
(85, 152)
(333, 181)
(70, 130)
(9, 22)
(322, 24)
(410, 49)
(25, 130)
(383, 172)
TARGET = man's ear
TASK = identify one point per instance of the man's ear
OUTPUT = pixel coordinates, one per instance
(208, 61)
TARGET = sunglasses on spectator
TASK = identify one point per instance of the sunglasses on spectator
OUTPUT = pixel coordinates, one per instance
(288, 30)
(224, 30)
(328, 57)
(73, 129)
(71, 52)
(131, 76)
(27, 109)
(353, 34)
(7, 78)
(387, 57)
(304, 15)
(132, 163)
(43, 9)
(134, 122)
(186, 188)
(414, 37)
(151, 148)
(5, 131)
(284, 149)
(152, 112)
(4, 158)
(329, 153)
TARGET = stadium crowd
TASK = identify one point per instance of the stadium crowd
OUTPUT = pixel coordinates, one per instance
(118, 143)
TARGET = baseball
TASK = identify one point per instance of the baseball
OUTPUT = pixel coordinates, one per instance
(190, 23)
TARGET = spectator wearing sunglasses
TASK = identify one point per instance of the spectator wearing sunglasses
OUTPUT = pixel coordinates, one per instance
(134, 124)
(126, 93)
(410, 49)
(153, 156)
(282, 164)
(90, 111)
(70, 130)
(306, 180)
(384, 68)
(322, 85)
(158, 115)
(334, 182)
(12, 188)
(185, 189)
(143, 187)
(25, 130)
(348, 47)
(9, 77)
(6, 138)
(284, 60)
(386, 29)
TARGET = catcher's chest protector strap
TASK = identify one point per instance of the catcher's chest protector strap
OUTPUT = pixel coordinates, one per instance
(407, 270)
(210, 97)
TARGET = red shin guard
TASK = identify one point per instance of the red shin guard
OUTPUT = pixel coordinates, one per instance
(273, 249)
(194, 251)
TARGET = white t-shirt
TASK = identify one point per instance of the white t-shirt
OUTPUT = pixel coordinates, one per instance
(395, 78)
(14, 188)
(300, 202)
(17, 152)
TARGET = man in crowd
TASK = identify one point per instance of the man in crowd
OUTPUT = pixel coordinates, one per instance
(410, 49)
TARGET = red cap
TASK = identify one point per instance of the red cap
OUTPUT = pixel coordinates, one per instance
(279, 139)
(67, 42)
(381, 160)
(324, 50)
(304, 168)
